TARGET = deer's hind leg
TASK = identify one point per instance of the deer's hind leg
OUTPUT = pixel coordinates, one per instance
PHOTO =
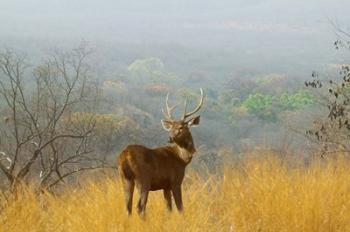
(128, 193)
(143, 192)
(167, 197)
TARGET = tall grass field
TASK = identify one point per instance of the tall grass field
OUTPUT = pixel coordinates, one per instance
(264, 194)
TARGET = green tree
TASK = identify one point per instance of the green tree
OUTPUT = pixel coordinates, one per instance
(268, 107)
(147, 69)
(261, 106)
(295, 101)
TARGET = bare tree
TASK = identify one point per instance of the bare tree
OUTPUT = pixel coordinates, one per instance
(333, 131)
(37, 139)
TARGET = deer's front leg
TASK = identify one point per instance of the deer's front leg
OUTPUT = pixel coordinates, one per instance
(178, 197)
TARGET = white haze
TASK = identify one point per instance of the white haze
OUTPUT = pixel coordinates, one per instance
(183, 21)
(288, 34)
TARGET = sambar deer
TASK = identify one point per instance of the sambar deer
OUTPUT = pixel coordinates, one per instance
(162, 167)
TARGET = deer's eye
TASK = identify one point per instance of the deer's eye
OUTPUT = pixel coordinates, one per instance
(178, 132)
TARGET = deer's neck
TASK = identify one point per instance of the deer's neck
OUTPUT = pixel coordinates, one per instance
(185, 151)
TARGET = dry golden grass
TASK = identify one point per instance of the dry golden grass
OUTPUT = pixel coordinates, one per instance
(264, 195)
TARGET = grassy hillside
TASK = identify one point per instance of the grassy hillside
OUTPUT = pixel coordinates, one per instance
(263, 194)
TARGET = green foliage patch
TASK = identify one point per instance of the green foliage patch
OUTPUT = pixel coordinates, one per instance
(267, 107)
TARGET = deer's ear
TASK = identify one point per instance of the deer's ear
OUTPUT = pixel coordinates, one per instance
(167, 125)
(194, 121)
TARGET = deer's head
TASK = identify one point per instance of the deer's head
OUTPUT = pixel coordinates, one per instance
(179, 130)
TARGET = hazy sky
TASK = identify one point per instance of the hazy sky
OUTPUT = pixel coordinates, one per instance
(167, 20)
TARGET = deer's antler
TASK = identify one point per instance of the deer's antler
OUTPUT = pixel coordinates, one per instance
(169, 109)
(185, 114)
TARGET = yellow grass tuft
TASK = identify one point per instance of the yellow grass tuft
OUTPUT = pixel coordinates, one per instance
(262, 195)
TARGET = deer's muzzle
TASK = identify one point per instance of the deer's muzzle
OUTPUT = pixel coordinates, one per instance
(171, 140)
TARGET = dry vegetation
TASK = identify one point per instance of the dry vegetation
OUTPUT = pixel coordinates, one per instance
(261, 194)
